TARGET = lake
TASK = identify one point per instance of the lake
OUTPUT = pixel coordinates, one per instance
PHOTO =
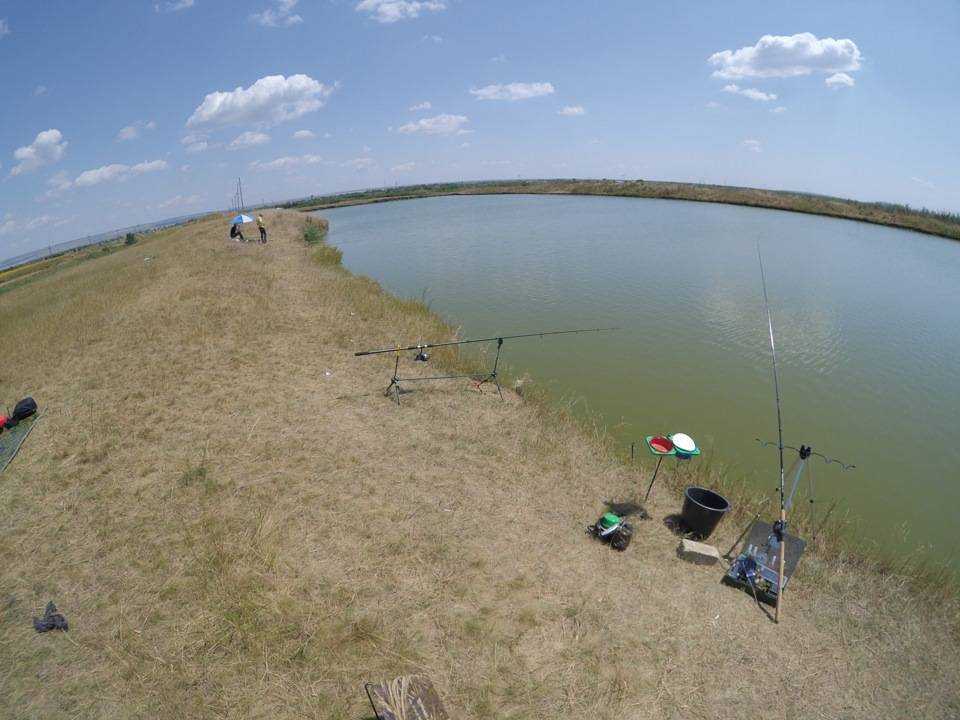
(866, 322)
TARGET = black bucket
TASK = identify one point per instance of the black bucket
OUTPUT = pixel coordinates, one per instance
(702, 511)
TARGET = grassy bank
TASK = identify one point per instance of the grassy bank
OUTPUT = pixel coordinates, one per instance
(237, 523)
(29, 272)
(902, 216)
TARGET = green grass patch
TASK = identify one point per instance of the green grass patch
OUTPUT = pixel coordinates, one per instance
(328, 255)
(313, 233)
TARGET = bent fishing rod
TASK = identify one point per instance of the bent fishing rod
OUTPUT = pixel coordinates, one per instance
(479, 378)
(780, 527)
(799, 465)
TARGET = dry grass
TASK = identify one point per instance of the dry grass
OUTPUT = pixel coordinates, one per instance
(238, 524)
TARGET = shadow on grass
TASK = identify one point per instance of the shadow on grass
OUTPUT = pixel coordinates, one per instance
(627, 509)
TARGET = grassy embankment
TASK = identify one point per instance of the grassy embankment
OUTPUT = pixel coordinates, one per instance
(902, 216)
(15, 277)
(238, 524)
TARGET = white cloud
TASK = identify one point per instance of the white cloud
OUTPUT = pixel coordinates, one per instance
(438, 125)
(304, 135)
(270, 100)
(787, 56)
(10, 224)
(327, 136)
(752, 145)
(464, 146)
(435, 39)
(751, 93)
(248, 139)
(39, 90)
(390, 11)
(925, 183)
(47, 148)
(289, 162)
(425, 105)
(361, 163)
(59, 184)
(713, 104)
(572, 110)
(194, 142)
(280, 14)
(496, 162)
(839, 80)
(4, 27)
(132, 131)
(778, 110)
(513, 91)
(501, 58)
(185, 168)
(179, 201)
(404, 167)
(172, 5)
(117, 172)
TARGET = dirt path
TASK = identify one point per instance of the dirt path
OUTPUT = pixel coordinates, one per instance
(238, 524)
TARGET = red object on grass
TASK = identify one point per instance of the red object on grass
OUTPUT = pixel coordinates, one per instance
(661, 444)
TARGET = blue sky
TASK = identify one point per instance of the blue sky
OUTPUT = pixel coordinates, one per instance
(126, 111)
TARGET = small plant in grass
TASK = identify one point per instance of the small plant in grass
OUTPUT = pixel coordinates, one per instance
(312, 234)
(327, 255)
(198, 476)
(130, 239)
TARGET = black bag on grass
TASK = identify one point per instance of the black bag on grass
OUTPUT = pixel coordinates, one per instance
(24, 409)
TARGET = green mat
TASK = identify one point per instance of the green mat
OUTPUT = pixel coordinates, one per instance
(12, 439)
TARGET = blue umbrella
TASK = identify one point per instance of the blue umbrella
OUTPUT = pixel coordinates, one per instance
(241, 219)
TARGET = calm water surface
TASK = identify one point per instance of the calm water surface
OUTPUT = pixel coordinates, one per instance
(866, 318)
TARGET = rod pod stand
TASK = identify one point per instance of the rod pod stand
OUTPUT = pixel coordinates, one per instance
(491, 376)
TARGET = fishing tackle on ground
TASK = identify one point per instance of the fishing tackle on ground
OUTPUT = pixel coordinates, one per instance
(612, 529)
(480, 379)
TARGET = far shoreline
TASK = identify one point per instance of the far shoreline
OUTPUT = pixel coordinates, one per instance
(945, 225)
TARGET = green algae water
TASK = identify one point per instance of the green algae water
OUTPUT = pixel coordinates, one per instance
(867, 322)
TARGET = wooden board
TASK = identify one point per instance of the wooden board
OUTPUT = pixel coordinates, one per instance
(408, 697)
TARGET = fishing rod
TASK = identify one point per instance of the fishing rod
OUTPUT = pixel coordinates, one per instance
(479, 378)
(426, 346)
(781, 525)
(797, 468)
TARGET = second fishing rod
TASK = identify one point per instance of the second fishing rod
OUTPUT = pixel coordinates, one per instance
(480, 378)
